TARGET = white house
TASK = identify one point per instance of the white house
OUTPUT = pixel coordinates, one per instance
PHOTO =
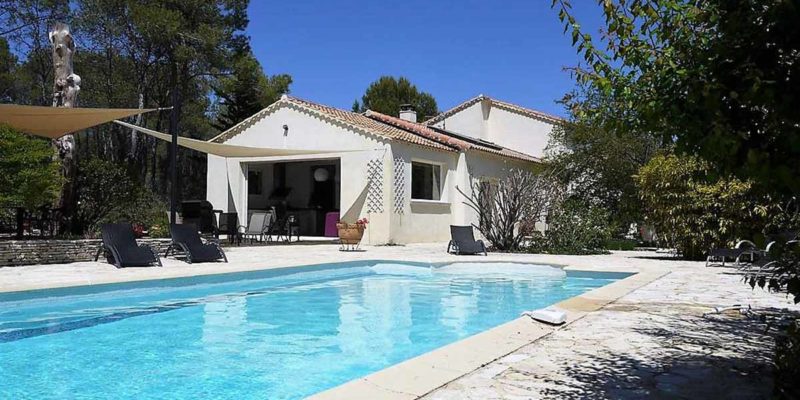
(405, 177)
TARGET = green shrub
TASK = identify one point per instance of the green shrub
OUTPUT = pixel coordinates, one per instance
(787, 363)
(29, 177)
(143, 207)
(574, 227)
(693, 211)
(159, 227)
(108, 193)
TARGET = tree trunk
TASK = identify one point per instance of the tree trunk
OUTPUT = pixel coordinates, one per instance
(66, 86)
(134, 133)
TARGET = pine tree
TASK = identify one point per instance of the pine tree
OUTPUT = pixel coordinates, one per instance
(387, 94)
(247, 91)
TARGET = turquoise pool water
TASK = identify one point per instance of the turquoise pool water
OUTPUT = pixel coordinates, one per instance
(273, 334)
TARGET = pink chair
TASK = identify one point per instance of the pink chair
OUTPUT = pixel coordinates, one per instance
(331, 219)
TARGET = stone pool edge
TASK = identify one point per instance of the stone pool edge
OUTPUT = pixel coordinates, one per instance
(418, 376)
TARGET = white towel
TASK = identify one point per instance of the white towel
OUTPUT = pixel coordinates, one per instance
(549, 315)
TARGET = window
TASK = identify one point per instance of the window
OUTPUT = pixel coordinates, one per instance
(426, 181)
(254, 182)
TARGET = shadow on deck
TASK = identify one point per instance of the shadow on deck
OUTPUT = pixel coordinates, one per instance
(724, 356)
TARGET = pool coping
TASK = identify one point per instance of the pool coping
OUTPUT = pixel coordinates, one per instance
(418, 376)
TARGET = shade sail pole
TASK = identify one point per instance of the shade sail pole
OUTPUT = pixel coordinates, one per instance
(173, 149)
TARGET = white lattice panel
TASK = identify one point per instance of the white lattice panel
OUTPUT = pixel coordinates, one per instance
(399, 183)
(375, 186)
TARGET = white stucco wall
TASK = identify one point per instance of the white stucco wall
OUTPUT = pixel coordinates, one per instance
(470, 121)
(217, 183)
(425, 220)
(518, 132)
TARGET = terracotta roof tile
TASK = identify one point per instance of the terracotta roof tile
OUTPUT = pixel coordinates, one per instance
(460, 144)
(418, 129)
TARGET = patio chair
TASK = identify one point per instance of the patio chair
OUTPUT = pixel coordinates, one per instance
(766, 262)
(742, 248)
(283, 228)
(119, 244)
(178, 218)
(186, 239)
(257, 226)
(463, 241)
(229, 226)
(759, 258)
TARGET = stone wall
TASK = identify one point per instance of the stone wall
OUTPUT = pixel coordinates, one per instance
(28, 252)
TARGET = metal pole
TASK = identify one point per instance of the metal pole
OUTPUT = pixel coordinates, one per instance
(20, 223)
(173, 155)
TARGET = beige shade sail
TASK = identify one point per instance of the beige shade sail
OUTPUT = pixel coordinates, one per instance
(224, 150)
(54, 122)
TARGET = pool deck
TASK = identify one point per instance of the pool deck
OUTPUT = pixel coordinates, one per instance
(643, 336)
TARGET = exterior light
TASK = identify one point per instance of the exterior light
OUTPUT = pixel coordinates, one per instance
(321, 175)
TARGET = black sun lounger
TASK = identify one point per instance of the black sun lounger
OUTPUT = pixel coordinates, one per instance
(743, 248)
(119, 244)
(186, 239)
(463, 241)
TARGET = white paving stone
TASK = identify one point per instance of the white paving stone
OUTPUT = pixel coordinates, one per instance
(652, 343)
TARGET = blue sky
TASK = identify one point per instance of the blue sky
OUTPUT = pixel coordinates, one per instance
(511, 50)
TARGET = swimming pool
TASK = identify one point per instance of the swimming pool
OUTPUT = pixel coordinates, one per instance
(272, 334)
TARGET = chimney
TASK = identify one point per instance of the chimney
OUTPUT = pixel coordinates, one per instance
(407, 113)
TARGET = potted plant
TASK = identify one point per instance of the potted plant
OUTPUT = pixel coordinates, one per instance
(350, 234)
(138, 230)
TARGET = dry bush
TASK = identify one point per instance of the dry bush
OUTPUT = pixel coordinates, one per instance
(509, 208)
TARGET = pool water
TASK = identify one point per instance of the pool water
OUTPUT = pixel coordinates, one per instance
(273, 334)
